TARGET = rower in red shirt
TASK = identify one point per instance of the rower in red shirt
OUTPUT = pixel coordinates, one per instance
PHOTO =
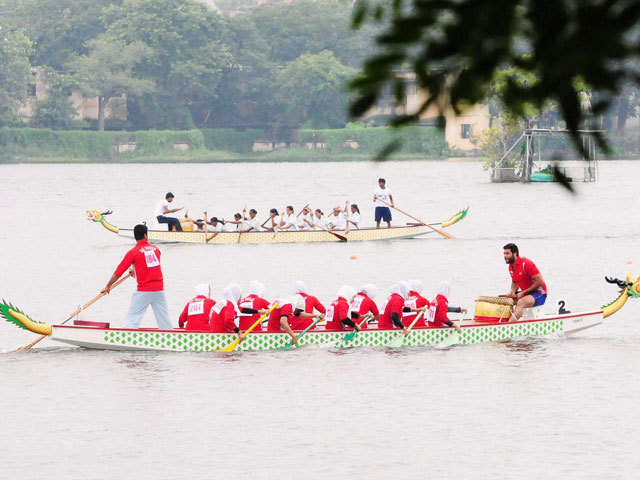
(252, 306)
(196, 314)
(339, 312)
(392, 316)
(442, 308)
(145, 259)
(304, 308)
(279, 318)
(224, 313)
(415, 302)
(363, 303)
(526, 277)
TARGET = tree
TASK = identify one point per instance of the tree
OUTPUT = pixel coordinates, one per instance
(56, 111)
(15, 70)
(188, 50)
(107, 71)
(312, 89)
(454, 47)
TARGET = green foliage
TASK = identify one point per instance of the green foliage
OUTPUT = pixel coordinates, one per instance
(56, 111)
(226, 139)
(454, 47)
(15, 70)
(311, 88)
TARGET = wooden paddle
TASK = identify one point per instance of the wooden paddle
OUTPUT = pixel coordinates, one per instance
(77, 312)
(206, 223)
(235, 343)
(241, 223)
(290, 344)
(351, 335)
(339, 237)
(399, 340)
(440, 232)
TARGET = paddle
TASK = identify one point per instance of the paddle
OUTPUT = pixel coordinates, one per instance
(399, 340)
(241, 224)
(290, 344)
(340, 237)
(350, 336)
(454, 337)
(235, 343)
(444, 234)
(74, 314)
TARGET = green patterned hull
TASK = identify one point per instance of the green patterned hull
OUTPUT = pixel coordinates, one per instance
(183, 341)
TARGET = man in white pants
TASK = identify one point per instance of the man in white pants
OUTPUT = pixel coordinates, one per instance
(145, 259)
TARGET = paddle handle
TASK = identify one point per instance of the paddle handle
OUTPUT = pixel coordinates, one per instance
(261, 319)
(418, 317)
(444, 234)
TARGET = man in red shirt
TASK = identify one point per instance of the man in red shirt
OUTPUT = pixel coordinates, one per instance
(197, 312)
(145, 259)
(527, 285)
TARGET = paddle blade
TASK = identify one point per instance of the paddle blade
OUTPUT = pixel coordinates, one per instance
(349, 336)
(398, 341)
(451, 340)
(231, 347)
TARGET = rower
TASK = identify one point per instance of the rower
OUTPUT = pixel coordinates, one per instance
(197, 312)
(224, 313)
(381, 195)
(145, 259)
(336, 220)
(216, 225)
(251, 223)
(252, 306)
(273, 222)
(306, 307)
(280, 316)
(238, 222)
(415, 301)
(353, 218)
(363, 303)
(526, 277)
(289, 220)
(392, 316)
(164, 214)
(441, 318)
(305, 219)
(339, 312)
(319, 221)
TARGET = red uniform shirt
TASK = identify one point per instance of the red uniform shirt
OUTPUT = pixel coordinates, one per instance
(363, 304)
(441, 315)
(415, 300)
(223, 318)
(273, 325)
(145, 259)
(338, 311)
(310, 303)
(196, 313)
(247, 319)
(394, 305)
(522, 272)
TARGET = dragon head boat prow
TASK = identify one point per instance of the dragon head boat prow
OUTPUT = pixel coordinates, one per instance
(98, 217)
(629, 288)
(14, 315)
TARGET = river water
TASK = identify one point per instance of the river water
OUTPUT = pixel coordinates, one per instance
(559, 407)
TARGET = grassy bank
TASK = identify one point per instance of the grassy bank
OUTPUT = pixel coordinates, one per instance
(28, 145)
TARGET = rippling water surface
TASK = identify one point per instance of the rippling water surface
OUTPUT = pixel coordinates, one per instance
(558, 407)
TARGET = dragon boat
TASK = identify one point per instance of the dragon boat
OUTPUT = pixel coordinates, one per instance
(488, 325)
(219, 238)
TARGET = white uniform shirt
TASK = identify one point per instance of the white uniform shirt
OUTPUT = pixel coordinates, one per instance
(382, 195)
(302, 225)
(354, 218)
(290, 222)
(251, 223)
(319, 223)
(339, 222)
(161, 209)
(216, 228)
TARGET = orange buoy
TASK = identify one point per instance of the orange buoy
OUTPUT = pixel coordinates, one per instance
(353, 257)
(629, 262)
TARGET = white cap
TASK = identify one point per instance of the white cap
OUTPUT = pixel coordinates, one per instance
(370, 289)
(299, 287)
(256, 288)
(416, 285)
(202, 289)
(347, 292)
(444, 289)
(400, 289)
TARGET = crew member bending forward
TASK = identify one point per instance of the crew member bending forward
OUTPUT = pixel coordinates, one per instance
(197, 312)
(145, 259)
(526, 277)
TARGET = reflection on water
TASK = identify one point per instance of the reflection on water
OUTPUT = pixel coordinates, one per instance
(519, 409)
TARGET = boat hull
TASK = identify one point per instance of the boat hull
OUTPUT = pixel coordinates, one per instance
(364, 234)
(186, 341)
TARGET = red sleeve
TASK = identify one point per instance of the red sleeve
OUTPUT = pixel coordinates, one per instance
(261, 303)
(342, 311)
(372, 307)
(229, 317)
(318, 306)
(441, 310)
(530, 268)
(125, 263)
(183, 316)
(286, 310)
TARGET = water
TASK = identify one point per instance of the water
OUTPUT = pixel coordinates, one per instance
(555, 407)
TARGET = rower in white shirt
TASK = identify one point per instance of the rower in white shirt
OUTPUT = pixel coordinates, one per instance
(319, 221)
(272, 223)
(305, 219)
(353, 218)
(251, 222)
(289, 220)
(215, 225)
(336, 220)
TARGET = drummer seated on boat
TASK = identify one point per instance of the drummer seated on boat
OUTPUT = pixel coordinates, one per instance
(196, 314)
(164, 212)
(527, 285)
(339, 313)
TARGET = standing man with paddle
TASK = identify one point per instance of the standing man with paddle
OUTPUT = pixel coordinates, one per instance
(145, 259)
(382, 199)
